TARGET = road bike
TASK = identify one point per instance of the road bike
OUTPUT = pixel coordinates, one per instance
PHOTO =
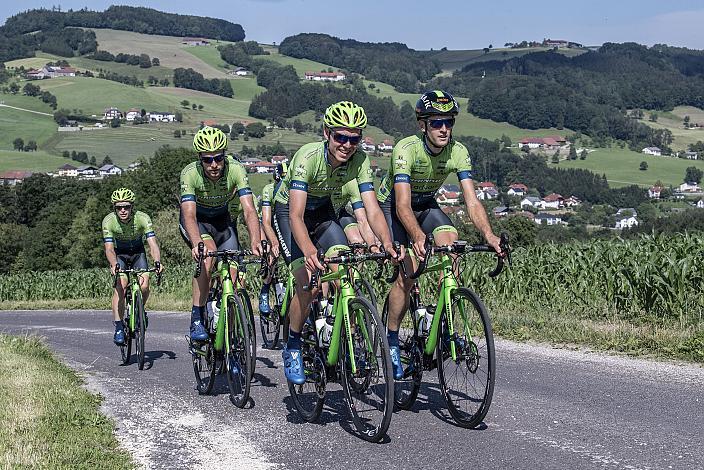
(134, 320)
(228, 347)
(346, 343)
(275, 325)
(456, 331)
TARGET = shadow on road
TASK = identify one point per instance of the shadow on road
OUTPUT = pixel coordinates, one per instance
(151, 356)
(431, 399)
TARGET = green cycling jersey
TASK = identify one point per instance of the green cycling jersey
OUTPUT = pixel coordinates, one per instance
(349, 193)
(128, 236)
(214, 198)
(411, 162)
(310, 171)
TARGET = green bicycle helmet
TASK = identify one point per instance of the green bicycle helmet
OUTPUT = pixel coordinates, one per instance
(436, 102)
(122, 195)
(209, 139)
(345, 114)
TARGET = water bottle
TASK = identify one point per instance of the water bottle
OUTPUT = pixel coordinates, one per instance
(280, 292)
(213, 313)
(419, 315)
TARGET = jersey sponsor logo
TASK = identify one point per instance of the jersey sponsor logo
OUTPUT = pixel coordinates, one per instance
(463, 175)
(244, 192)
(402, 179)
(109, 240)
(150, 234)
(366, 187)
(299, 185)
(357, 205)
(188, 197)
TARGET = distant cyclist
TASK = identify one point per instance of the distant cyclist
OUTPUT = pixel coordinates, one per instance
(419, 166)
(304, 216)
(124, 232)
(211, 188)
(268, 194)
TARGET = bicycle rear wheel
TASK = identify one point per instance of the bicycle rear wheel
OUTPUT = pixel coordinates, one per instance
(270, 325)
(139, 328)
(238, 353)
(369, 389)
(309, 397)
(406, 388)
(247, 304)
(468, 381)
(204, 367)
(126, 348)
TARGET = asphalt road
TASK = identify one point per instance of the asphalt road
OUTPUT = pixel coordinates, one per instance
(552, 408)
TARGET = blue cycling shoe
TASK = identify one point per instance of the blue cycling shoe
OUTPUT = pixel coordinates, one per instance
(264, 308)
(396, 362)
(119, 338)
(293, 366)
(198, 332)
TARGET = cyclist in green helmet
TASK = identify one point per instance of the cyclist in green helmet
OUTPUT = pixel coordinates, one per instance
(419, 166)
(268, 194)
(124, 232)
(304, 216)
(212, 188)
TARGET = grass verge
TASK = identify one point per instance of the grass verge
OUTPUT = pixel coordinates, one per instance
(48, 419)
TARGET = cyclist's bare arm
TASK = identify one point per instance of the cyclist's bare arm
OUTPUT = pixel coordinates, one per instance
(367, 234)
(297, 207)
(269, 230)
(154, 249)
(407, 217)
(188, 208)
(252, 221)
(111, 256)
(378, 222)
(477, 214)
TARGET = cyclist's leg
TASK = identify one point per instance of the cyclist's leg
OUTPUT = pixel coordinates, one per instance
(349, 224)
(139, 261)
(118, 301)
(434, 220)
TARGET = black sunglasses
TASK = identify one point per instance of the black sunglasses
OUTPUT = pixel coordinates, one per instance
(123, 206)
(209, 160)
(438, 123)
(343, 138)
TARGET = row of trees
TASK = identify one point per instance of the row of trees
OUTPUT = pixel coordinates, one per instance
(392, 63)
(240, 53)
(30, 89)
(143, 60)
(65, 42)
(189, 78)
(19, 144)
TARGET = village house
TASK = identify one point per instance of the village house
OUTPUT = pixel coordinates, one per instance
(501, 211)
(156, 116)
(54, 72)
(559, 43)
(654, 192)
(689, 187)
(109, 170)
(132, 114)
(652, 151)
(543, 218)
(68, 170)
(553, 201)
(486, 190)
(34, 74)
(279, 159)
(532, 202)
(263, 167)
(111, 113)
(385, 146)
(572, 201)
(134, 165)
(14, 177)
(88, 172)
(240, 72)
(449, 187)
(195, 41)
(449, 198)
(325, 76)
(517, 190)
(553, 142)
(626, 218)
(368, 144)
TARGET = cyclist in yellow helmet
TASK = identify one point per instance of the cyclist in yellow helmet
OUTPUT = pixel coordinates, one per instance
(419, 166)
(268, 194)
(304, 216)
(212, 188)
(124, 233)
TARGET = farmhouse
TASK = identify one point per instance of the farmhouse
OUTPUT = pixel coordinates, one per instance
(12, 178)
(449, 198)
(543, 218)
(195, 41)
(325, 76)
(88, 172)
(368, 144)
(652, 151)
(34, 74)
(240, 72)
(553, 201)
(111, 113)
(132, 114)
(156, 116)
(553, 142)
(531, 201)
(690, 187)
(68, 170)
(654, 192)
(386, 146)
(109, 170)
(53, 72)
(517, 189)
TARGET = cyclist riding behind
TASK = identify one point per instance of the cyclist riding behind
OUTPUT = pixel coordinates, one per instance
(268, 194)
(211, 188)
(419, 166)
(304, 217)
(124, 232)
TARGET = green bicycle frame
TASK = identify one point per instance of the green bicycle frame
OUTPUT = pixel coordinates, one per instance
(228, 290)
(288, 295)
(133, 288)
(341, 313)
(448, 287)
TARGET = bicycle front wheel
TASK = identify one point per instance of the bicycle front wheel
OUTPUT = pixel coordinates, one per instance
(140, 328)
(247, 304)
(238, 354)
(309, 397)
(270, 325)
(363, 288)
(126, 347)
(368, 385)
(467, 381)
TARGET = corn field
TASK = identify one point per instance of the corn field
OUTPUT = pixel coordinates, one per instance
(657, 276)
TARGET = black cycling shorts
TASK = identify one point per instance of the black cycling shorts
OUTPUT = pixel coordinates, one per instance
(323, 227)
(132, 260)
(220, 229)
(346, 219)
(428, 214)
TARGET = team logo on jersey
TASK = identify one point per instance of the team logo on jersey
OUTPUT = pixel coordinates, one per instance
(301, 171)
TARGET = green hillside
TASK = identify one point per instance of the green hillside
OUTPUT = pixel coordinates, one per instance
(673, 121)
(457, 59)
(31, 161)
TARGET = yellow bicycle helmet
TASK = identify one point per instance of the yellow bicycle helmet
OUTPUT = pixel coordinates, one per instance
(345, 114)
(209, 139)
(122, 195)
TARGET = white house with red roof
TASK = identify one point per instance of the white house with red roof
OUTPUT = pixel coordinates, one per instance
(34, 74)
(386, 146)
(53, 72)
(517, 189)
(448, 197)
(368, 144)
(572, 201)
(552, 142)
(325, 76)
(68, 170)
(279, 159)
(132, 114)
(553, 201)
(486, 190)
(111, 113)
(654, 192)
(13, 177)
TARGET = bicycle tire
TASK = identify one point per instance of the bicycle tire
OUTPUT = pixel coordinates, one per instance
(204, 367)
(247, 304)
(237, 357)
(270, 326)
(126, 348)
(406, 388)
(475, 355)
(309, 397)
(364, 288)
(140, 329)
(369, 392)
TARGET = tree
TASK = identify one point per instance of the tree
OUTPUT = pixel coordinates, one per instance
(177, 134)
(185, 103)
(298, 126)
(155, 61)
(194, 106)
(693, 175)
(18, 144)
(556, 158)
(238, 128)
(14, 88)
(653, 117)
(686, 121)
(30, 146)
(573, 153)
(200, 107)
(178, 116)
(115, 122)
(583, 154)
(107, 161)
(643, 166)
(486, 50)
(255, 129)
(66, 154)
